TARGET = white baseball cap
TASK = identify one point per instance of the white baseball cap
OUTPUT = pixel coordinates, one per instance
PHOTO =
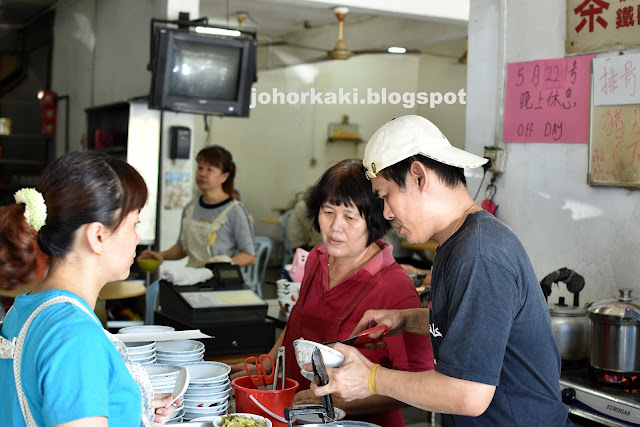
(407, 136)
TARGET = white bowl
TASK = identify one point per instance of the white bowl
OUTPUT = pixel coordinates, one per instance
(207, 372)
(140, 347)
(179, 347)
(213, 389)
(218, 420)
(159, 372)
(304, 349)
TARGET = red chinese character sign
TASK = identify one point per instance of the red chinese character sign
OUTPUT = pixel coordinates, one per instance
(601, 25)
(548, 100)
(616, 80)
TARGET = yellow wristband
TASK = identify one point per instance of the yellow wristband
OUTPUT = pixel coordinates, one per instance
(372, 379)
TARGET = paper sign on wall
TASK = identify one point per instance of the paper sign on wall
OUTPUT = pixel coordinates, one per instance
(616, 80)
(548, 100)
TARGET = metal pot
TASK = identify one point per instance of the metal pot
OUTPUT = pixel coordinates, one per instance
(615, 333)
(569, 324)
(570, 327)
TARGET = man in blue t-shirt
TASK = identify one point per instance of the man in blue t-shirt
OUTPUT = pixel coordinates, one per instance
(496, 359)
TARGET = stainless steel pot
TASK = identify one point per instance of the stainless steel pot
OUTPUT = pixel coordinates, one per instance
(615, 333)
(570, 327)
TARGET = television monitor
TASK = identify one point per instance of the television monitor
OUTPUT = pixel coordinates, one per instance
(203, 74)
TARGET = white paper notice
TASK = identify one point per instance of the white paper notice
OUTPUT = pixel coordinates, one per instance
(616, 80)
(162, 336)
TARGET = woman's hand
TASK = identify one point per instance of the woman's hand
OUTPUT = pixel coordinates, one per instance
(162, 414)
(350, 382)
(306, 397)
(238, 370)
(151, 254)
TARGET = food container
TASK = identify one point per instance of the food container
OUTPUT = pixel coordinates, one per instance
(615, 333)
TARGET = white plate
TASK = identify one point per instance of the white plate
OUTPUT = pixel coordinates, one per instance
(145, 329)
(304, 349)
(217, 420)
(308, 375)
(179, 347)
(142, 354)
(205, 400)
(207, 372)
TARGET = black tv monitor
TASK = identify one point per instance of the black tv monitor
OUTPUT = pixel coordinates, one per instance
(202, 74)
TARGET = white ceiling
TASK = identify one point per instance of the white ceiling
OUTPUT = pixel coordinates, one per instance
(312, 23)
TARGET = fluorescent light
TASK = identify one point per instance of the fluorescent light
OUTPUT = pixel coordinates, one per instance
(396, 50)
(218, 31)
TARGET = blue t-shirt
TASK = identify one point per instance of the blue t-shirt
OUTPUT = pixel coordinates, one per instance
(70, 369)
(490, 324)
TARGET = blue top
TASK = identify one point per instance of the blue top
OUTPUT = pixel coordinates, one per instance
(70, 369)
(490, 324)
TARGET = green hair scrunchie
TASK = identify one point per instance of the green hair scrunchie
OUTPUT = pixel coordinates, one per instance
(35, 211)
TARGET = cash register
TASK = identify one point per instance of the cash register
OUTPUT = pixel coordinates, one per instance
(223, 307)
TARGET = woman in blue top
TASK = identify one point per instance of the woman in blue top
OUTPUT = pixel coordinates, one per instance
(58, 366)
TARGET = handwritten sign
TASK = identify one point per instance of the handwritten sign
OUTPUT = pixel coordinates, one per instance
(602, 25)
(548, 100)
(615, 146)
(616, 80)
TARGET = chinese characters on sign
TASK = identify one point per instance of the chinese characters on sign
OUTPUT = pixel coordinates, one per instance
(548, 100)
(616, 80)
(615, 145)
(600, 25)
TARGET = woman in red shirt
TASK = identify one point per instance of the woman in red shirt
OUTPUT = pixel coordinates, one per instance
(350, 272)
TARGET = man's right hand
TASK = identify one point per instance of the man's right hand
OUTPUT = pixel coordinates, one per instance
(414, 320)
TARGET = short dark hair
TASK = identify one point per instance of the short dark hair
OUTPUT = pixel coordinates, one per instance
(451, 176)
(346, 184)
(78, 188)
(220, 157)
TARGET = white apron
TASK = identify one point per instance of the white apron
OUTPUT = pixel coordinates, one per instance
(13, 350)
(199, 236)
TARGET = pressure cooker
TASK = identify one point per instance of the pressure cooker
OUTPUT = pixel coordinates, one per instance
(615, 333)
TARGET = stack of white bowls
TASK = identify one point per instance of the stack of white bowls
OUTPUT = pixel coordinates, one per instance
(179, 352)
(163, 379)
(142, 352)
(208, 391)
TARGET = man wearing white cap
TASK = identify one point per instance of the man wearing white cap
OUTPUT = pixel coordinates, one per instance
(496, 359)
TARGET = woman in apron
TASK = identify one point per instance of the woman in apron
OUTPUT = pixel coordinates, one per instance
(350, 272)
(57, 364)
(215, 226)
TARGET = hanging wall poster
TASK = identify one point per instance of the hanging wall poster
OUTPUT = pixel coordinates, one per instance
(548, 100)
(177, 189)
(601, 25)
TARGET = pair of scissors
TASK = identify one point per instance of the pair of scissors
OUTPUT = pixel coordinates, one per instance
(262, 379)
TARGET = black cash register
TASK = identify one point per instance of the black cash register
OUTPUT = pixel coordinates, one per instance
(223, 307)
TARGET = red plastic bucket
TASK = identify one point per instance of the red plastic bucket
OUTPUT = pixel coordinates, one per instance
(273, 400)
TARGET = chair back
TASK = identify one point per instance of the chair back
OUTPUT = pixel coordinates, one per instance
(288, 250)
(254, 274)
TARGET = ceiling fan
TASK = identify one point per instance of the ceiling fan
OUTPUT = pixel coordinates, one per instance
(340, 50)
